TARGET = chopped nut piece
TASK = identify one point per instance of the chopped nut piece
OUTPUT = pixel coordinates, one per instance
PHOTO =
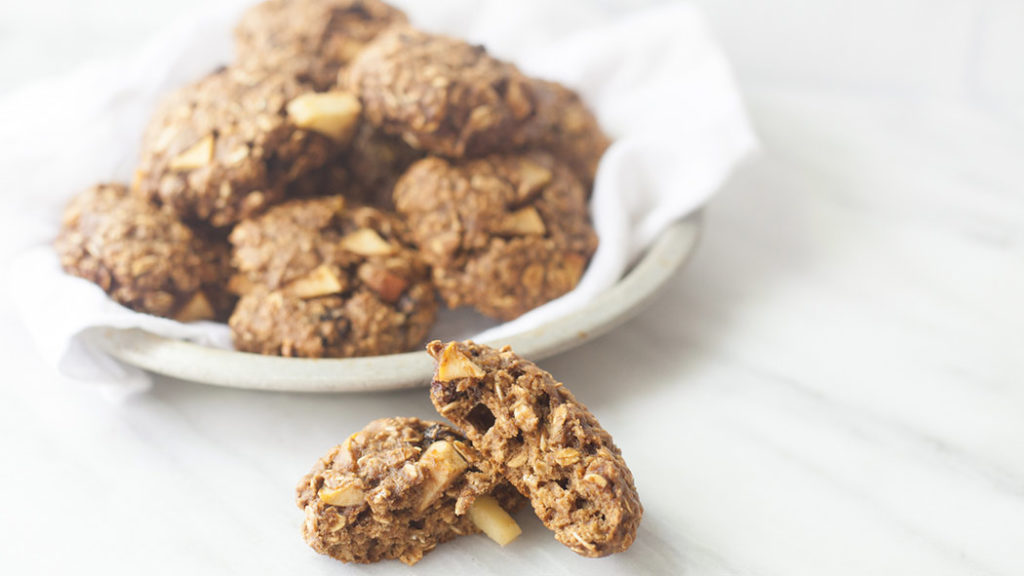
(366, 242)
(333, 114)
(197, 308)
(345, 495)
(320, 282)
(441, 465)
(454, 364)
(523, 222)
(197, 156)
(492, 520)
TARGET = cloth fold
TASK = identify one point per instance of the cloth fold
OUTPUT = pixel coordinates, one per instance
(654, 76)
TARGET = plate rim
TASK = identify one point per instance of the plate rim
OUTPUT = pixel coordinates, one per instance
(219, 367)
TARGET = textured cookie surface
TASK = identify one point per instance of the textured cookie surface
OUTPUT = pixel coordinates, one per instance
(225, 148)
(396, 489)
(320, 279)
(563, 125)
(312, 39)
(141, 256)
(440, 94)
(503, 234)
(544, 441)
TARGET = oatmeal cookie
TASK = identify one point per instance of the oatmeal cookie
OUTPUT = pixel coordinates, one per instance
(141, 256)
(564, 126)
(312, 39)
(440, 94)
(504, 234)
(397, 489)
(543, 440)
(226, 147)
(319, 279)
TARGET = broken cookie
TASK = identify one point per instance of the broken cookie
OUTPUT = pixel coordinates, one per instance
(543, 440)
(504, 234)
(400, 487)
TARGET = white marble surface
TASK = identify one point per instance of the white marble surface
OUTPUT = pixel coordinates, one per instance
(834, 386)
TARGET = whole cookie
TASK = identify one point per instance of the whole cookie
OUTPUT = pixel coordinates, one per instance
(319, 279)
(504, 234)
(397, 489)
(440, 94)
(226, 147)
(311, 39)
(543, 440)
(141, 256)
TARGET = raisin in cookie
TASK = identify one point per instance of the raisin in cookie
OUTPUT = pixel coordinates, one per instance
(320, 279)
(141, 256)
(440, 94)
(544, 441)
(312, 39)
(504, 234)
(564, 126)
(397, 489)
(226, 147)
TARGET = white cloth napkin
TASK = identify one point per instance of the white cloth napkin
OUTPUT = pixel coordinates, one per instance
(653, 75)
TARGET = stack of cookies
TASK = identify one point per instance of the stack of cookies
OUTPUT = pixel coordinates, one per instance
(345, 174)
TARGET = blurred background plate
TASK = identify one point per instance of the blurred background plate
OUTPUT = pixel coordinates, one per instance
(189, 361)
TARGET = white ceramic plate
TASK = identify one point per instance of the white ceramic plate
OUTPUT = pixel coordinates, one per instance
(189, 361)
